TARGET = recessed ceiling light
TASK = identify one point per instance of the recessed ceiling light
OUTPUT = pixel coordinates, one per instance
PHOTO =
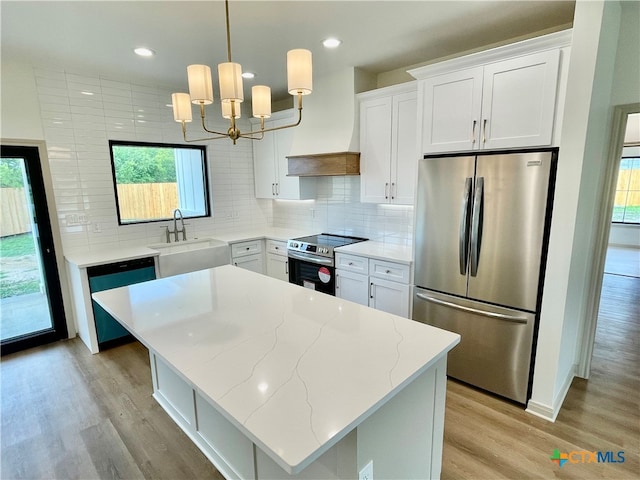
(331, 42)
(144, 52)
(84, 92)
(248, 75)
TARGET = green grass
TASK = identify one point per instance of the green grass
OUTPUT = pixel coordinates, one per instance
(630, 214)
(13, 247)
(17, 245)
(13, 289)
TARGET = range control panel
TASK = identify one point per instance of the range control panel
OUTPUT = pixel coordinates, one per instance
(299, 246)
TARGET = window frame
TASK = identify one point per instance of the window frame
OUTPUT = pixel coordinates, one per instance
(633, 151)
(205, 173)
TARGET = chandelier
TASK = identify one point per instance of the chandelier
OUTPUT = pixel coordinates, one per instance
(232, 95)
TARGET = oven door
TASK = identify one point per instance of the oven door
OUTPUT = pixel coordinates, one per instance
(316, 273)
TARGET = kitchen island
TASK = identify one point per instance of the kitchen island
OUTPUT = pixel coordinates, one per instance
(272, 380)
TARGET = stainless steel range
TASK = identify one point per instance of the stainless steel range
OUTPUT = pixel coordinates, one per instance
(312, 261)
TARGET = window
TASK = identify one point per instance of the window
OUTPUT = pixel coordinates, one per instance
(626, 207)
(152, 180)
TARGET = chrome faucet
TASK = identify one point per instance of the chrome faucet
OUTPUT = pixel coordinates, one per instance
(175, 231)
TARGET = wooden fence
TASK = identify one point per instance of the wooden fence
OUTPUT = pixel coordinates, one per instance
(147, 200)
(14, 212)
(137, 201)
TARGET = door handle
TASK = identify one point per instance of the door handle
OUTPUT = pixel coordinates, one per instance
(473, 132)
(476, 225)
(455, 306)
(465, 220)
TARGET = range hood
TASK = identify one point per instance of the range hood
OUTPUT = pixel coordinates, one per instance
(327, 142)
(324, 164)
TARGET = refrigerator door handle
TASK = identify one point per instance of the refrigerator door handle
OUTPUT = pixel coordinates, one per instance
(498, 316)
(476, 225)
(463, 237)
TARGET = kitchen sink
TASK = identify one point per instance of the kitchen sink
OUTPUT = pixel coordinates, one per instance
(191, 255)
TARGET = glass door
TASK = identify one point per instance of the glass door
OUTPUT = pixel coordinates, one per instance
(31, 309)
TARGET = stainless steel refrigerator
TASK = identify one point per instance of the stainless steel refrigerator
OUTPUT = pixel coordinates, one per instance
(480, 248)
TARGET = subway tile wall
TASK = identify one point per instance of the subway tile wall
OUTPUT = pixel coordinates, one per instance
(80, 113)
(337, 209)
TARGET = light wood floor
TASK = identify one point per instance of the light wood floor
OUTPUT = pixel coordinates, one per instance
(69, 414)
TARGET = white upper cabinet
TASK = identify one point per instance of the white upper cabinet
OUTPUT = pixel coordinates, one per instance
(452, 104)
(388, 144)
(503, 98)
(270, 163)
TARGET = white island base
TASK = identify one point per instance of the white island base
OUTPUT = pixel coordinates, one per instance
(272, 380)
(403, 438)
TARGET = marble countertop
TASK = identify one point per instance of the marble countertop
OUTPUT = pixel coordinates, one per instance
(379, 250)
(109, 255)
(119, 254)
(295, 370)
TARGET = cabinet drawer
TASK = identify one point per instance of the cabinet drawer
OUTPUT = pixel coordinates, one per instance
(278, 247)
(396, 272)
(246, 248)
(352, 263)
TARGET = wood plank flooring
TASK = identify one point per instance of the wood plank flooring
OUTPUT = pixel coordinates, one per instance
(69, 414)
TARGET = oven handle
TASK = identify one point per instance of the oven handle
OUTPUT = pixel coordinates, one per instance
(305, 258)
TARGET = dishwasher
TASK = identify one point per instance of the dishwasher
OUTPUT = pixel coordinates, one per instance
(109, 332)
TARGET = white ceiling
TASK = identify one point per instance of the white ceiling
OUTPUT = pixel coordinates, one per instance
(378, 36)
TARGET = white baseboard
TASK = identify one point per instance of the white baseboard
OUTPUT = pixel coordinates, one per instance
(550, 412)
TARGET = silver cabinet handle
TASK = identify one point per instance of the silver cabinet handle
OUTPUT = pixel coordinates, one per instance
(473, 132)
(286, 267)
(273, 189)
(484, 131)
(393, 191)
(337, 282)
(371, 290)
(499, 316)
(386, 190)
(277, 189)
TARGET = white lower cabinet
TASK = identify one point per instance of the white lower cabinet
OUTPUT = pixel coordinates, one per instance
(379, 284)
(352, 286)
(277, 260)
(390, 297)
(248, 255)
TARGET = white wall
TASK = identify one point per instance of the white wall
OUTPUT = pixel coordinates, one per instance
(600, 29)
(20, 112)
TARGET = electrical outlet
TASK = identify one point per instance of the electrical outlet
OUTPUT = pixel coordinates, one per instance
(367, 472)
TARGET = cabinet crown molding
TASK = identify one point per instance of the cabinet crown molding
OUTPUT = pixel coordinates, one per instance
(545, 42)
(411, 86)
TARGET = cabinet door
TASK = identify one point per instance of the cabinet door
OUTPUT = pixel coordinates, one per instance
(451, 111)
(250, 262)
(518, 103)
(278, 267)
(390, 297)
(287, 188)
(264, 167)
(404, 147)
(352, 286)
(375, 150)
